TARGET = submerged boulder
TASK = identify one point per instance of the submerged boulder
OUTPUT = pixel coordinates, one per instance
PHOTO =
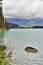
(31, 50)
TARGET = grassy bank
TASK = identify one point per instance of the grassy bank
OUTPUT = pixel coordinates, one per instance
(2, 28)
(4, 58)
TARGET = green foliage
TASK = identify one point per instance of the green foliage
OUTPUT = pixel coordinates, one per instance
(1, 62)
(2, 47)
(2, 24)
(2, 55)
(4, 59)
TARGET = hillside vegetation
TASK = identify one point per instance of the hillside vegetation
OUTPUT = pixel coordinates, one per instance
(2, 23)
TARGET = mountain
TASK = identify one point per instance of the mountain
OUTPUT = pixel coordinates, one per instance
(31, 21)
(10, 25)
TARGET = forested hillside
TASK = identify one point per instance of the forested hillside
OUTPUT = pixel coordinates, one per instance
(2, 23)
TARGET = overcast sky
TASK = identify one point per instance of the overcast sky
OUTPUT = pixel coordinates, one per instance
(23, 8)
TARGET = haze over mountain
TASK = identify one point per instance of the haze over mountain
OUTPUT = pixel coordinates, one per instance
(23, 12)
(31, 21)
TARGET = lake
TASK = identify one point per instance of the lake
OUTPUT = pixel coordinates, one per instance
(17, 39)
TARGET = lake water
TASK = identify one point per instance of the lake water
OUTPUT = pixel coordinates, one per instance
(17, 39)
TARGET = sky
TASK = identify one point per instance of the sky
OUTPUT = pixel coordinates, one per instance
(23, 8)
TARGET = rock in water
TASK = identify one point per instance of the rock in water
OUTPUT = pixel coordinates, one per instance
(31, 50)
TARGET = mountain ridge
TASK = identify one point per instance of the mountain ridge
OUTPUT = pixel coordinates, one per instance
(19, 21)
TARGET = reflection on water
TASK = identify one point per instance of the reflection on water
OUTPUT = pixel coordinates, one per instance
(1, 33)
(1, 36)
(17, 39)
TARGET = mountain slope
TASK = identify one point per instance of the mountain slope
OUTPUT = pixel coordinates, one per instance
(32, 21)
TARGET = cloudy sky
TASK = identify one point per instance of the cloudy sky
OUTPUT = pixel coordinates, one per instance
(23, 8)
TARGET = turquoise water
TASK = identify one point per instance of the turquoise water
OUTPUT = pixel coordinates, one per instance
(17, 39)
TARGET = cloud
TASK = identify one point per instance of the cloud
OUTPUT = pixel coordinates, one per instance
(23, 8)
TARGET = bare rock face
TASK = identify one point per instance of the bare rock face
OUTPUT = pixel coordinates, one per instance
(31, 50)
